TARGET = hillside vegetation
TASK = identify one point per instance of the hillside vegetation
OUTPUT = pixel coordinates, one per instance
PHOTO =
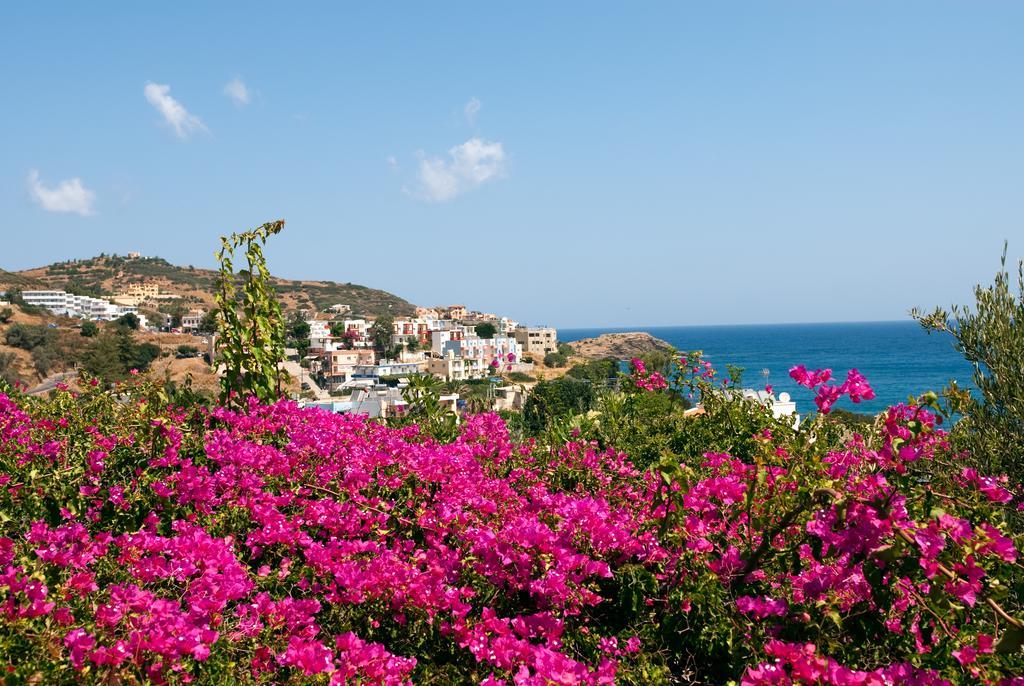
(16, 280)
(110, 274)
(38, 345)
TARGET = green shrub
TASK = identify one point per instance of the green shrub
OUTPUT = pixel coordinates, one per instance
(15, 297)
(29, 336)
(991, 337)
(602, 372)
(556, 399)
(485, 330)
(855, 420)
(46, 358)
(184, 351)
(129, 320)
(555, 360)
(8, 368)
(113, 354)
(520, 377)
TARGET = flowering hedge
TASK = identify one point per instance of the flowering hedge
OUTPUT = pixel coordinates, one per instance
(146, 542)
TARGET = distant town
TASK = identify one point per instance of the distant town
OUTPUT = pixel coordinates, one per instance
(347, 362)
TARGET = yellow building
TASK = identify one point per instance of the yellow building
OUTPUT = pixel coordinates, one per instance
(135, 293)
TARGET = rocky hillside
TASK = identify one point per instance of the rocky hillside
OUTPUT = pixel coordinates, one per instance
(110, 274)
(621, 346)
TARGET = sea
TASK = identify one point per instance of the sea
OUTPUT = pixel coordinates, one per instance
(899, 359)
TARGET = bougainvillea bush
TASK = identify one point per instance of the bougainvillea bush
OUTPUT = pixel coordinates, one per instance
(142, 542)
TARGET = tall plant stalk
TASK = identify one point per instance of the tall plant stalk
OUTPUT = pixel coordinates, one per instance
(250, 325)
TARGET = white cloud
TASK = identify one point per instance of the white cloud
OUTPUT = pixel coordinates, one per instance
(237, 91)
(393, 162)
(181, 120)
(68, 196)
(473, 163)
(471, 109)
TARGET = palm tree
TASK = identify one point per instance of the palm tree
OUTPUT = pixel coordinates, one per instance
(477, 405)
(455, 386)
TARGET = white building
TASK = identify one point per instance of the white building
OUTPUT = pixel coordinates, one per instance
(386, 368)
(358, 330)
(782, 406)
(79, 306)
(509, 398)
(55, 301)
(445, 339)
(355, 333)
(383, 401)
(507, 327)
(319, 334)
(193, 320)
(452, 368)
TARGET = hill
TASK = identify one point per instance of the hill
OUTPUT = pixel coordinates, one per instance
(107, 275)
(621, 346)
(19, 281)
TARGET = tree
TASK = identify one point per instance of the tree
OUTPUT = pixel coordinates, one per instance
(89, 329)
(41, 341)
(298, 328)
(555, 360)
(298, 335)
(129, 320)
(208, 324)
(423, 407)
(102, 358)
(596, 371)
(251, 332)
(46, 357)
(177, 311)
(185, 351)
(115, 352)
(485, 330)
(412, 345)
(991, 338)
(78, 287)
(28, 336)
(381, 331)
(5, 315)
(142, 355)
(558, 398)
(8, 368)
(455, 387)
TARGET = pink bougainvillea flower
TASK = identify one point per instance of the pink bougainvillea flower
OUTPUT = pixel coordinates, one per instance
(809, 379)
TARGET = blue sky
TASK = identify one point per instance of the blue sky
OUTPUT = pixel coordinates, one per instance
(574, 164)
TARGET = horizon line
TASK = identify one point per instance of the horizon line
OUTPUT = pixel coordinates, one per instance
(639, 327)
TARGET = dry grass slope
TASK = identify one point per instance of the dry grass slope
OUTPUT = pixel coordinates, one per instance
(106, 275)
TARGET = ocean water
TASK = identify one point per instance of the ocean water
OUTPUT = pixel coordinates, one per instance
(899, 359)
